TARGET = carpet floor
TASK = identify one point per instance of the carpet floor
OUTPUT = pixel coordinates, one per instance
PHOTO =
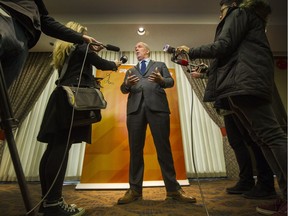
(213, 201)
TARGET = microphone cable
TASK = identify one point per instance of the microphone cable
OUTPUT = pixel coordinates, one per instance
(192, 146)
(68, 137)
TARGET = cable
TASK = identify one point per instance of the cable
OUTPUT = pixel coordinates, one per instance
(192, 149)
(69, 135)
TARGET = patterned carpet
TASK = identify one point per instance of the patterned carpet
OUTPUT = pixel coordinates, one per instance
(103, 202)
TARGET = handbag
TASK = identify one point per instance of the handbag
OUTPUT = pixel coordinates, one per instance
(85, 98)
(87, 102)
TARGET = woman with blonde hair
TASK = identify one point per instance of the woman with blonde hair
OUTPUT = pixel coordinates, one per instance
(57, 119)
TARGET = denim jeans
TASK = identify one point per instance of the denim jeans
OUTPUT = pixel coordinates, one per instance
(257, 116)
(13, 48)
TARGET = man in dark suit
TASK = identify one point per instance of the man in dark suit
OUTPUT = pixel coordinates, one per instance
(148, 104)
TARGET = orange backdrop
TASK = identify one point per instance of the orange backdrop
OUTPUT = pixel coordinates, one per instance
(107, 158)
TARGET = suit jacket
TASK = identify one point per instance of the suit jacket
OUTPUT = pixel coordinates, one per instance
(152, 93)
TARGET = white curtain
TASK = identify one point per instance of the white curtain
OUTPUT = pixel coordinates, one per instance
(202, 140)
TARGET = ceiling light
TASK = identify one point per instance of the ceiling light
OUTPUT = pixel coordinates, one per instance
(141, 31)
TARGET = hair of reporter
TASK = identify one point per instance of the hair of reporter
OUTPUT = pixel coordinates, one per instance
(261, 7)
(63, 48)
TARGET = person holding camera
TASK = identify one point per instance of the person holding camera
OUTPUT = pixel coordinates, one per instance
(242, 72)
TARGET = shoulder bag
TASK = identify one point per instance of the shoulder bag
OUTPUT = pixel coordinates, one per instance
(87, 102)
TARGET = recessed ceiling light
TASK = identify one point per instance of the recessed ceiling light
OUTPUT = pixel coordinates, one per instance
(141, 31)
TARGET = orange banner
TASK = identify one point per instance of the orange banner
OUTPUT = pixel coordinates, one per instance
(107, 158)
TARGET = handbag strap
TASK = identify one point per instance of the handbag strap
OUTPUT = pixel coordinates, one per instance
(64, 68)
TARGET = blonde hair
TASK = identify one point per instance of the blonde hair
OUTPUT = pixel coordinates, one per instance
(62, 48)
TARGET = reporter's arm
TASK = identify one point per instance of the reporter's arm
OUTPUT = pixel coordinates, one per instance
(51, 27)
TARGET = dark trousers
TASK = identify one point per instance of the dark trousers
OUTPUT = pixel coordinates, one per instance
(257, 116)
(159, 123)
(55, 156)
(13, 48)
(240, 142)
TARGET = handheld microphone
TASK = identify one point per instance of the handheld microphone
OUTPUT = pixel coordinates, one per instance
(167, 48)
(124, 59)
(108, 46)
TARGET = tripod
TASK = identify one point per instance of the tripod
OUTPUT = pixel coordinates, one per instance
(7, 123)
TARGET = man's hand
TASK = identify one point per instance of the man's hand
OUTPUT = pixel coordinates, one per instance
(156, 77)
(131, 79)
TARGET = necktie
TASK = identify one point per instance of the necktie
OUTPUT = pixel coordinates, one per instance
(143, 67)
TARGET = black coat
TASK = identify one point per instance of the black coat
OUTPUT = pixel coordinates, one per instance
(33, 16)
(58, 113)
(242, 60)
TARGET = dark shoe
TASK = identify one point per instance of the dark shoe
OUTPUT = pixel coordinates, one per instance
(239, 188)
(260, 193)
(272, 208)
(61, 208)
(41, 208)
(180, 196)
(130, 196)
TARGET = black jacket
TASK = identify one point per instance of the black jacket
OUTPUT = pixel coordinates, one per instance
(33, 16)
(57, 116)
(75, 64)
(242, 60)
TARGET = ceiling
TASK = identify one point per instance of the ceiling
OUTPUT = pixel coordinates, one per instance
(176, 23)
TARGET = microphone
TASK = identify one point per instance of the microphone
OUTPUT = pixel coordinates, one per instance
(111, 47)
(167, 48)
(124, 59)
(108, 46)
(182, 62)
